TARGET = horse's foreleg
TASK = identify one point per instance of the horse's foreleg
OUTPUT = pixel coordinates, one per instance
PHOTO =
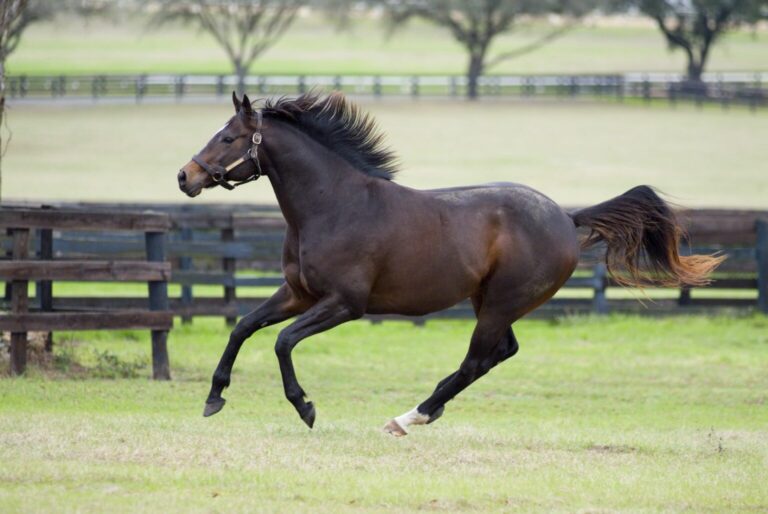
(324, 315)
(281, 306)
(486, 349)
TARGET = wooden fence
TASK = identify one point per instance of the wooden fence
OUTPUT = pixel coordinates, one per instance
(237, 248)
(745, 88)
(33, 254)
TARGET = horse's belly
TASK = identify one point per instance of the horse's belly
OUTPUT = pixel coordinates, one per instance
(417, 294)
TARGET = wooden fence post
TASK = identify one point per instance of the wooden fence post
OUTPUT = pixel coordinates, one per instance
(220, 85)
(762, 265)
(600, 278)
(9, 255)
(19, 303)
(179, 86)
(158, 301)
(229, 265)
(301, 84)
(415, 86)
(45, 287)
(185, 264)
(140, 85)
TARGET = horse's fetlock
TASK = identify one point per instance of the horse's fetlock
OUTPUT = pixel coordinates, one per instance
(221, 378)
(294, 394)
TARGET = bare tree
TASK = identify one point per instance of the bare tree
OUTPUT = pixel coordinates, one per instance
(476, 23)
(695, 25)
(243, 28)
(15, 16)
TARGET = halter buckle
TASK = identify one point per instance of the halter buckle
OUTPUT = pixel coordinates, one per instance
(256, 138)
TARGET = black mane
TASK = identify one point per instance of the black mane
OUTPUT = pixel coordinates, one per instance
(340, 126)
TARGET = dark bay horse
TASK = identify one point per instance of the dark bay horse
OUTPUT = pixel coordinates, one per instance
(359, 243)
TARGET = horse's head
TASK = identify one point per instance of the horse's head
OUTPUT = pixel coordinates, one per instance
(230, 155)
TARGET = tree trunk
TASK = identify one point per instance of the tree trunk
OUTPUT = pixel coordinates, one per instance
(474, 72)
(695, 69)
(241, 72)
(2, 114)
(693, 84)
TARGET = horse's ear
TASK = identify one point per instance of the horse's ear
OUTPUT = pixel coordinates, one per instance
(247, 109)
(236, 102)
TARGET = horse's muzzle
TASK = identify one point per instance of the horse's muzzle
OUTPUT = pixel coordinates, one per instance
(191, 181)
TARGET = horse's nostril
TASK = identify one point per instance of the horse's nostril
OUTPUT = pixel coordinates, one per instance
(182, 177)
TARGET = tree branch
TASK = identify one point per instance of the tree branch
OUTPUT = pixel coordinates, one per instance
(674, 37)
(532, 46)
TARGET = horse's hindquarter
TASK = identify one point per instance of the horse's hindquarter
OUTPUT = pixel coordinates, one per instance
(443, 245)
(435, 255)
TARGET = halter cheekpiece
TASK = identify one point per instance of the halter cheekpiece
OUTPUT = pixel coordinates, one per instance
(219, 173)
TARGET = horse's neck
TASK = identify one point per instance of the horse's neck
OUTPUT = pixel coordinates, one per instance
(310, 181)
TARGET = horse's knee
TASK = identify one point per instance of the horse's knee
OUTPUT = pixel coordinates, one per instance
(242, 331)
(283, 346)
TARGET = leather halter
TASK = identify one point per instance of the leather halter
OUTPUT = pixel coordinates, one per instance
(219, 173)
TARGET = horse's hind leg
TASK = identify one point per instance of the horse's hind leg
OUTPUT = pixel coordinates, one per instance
(480, 358)
(506, 348)
(281, 306)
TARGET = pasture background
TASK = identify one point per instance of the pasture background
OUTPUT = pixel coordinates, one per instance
(594, 414)
(313, 46)
(578, 153)
(609, 414)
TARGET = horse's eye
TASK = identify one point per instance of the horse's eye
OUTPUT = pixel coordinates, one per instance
(228, 140)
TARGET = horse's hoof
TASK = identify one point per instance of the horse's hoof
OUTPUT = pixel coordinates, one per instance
(213, 406)
(434, 417)
(394, 428)
(309, 415)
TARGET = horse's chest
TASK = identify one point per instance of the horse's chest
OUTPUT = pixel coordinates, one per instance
(310, 271)
(305, 283)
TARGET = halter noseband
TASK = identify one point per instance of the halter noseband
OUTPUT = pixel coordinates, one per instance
(219, 173)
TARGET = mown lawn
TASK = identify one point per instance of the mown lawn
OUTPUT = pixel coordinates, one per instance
(577, 153)
(314, 46)
(617, 414)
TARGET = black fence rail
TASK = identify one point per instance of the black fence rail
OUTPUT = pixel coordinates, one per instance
(742, 88)
(226, 260)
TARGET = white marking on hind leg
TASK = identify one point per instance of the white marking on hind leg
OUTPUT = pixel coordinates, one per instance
(412, 417)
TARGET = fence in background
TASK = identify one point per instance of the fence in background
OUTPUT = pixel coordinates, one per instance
(33, 246)
(226, 260)
(742, 88)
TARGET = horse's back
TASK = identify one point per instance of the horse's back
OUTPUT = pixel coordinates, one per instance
(446, 243)
(523, 208)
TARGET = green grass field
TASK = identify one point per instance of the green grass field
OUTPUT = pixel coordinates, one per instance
(312, 46)
(578, 153)
(615, 414)
(593, 415)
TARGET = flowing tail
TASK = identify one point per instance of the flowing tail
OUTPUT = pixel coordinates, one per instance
(641, 231)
